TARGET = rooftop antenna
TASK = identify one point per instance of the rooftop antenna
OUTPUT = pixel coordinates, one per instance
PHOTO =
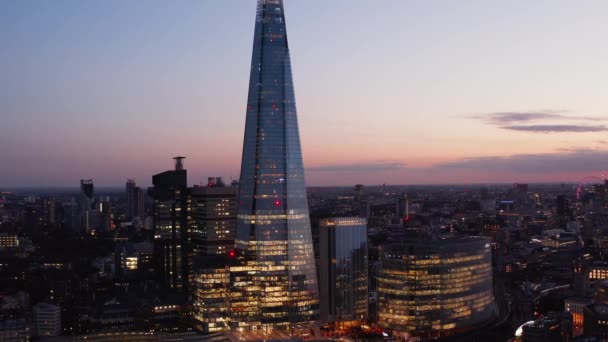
(179, 165)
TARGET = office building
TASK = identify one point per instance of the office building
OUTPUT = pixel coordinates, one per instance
(274, 237)
(212, 225)
(575, 306)
(135, 200)
(170, 221)
(130, 190)
(435, 287)
(85, 205)
(403, 207)
(598, 270)
(145, 255)
(104, 210)
(71, 215)
(600, 295)
(343, 280)
(562, 206)
(595, 321)
(211, 291)
(48, 211)
(9, 240)
(14, 330)
(46, 320)
(212, 219)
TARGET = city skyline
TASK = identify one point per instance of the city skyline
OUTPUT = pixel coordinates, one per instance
(102, 91)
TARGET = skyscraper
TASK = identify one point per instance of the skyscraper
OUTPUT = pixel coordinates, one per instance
(212, 224)
(170, 216)
(278, 284)
(87, 215)
(86, 194)
(130, 191)
(344, 274)
(135, 200)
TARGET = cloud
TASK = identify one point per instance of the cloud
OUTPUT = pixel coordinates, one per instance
(575, 161)
(361, 167)
(513, 121)
(577, 149)
(557, 128)
(559, 166)
(502, 118)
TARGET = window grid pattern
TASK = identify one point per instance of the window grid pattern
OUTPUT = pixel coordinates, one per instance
(273, 228)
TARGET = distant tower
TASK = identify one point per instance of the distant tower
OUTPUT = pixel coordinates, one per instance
(48, 211)
(403, 207)
(85, 203)
(538, 199)
(105, 212)
(135, 199)
(86, 194)
(562, 206)
(361, 206)
(139, 203)
(170, 221)
(130, 191)
(359, 192)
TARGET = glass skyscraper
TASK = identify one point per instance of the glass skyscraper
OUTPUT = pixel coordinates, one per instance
(276, 286)
(343, 270)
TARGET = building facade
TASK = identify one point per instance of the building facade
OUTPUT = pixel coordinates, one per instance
(9, 240)
(211, 292)
(274, 237)
(212, 219)
(435, 287)
(130, 192)
(46, 319)
(87, 215)
(595, 324)
(135, 200)
(14, 330)
(170, 220)
(343, 280)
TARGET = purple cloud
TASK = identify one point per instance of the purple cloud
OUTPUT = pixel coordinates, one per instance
(503, 118)
(575, 161)
(361, 167)
(557, 128)
(513, 121)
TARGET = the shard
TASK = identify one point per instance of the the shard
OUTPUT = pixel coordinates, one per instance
(276, 286)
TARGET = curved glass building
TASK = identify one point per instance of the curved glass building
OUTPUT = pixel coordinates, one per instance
(434, 288)
(276, 286)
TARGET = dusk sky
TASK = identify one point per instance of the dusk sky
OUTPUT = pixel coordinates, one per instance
(393, 91)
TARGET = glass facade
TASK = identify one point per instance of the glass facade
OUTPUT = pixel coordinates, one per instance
(278, 284)
(210, 292)
(343, 272)
(434, 288)
(212, 225)
(170, 219)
